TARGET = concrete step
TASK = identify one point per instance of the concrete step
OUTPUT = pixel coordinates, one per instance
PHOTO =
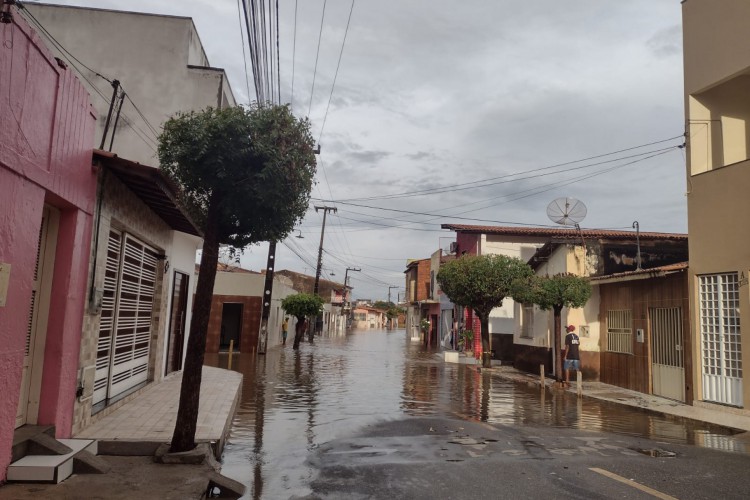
(50, 468)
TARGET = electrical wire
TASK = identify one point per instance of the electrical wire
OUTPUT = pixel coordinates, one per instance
(336, 74)
(317, 55)
(242, 42)
(294, 53)
(489, 181)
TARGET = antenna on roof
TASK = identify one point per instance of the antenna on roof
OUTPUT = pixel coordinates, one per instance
(569, 212)
(566, 211)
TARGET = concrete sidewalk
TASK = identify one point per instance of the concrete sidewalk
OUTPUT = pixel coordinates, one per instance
(656, 404)
(149, 419)
(137, 428)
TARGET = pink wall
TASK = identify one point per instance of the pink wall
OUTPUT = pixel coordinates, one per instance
(46, 138)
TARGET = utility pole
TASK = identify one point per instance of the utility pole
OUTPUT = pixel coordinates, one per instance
(389, 303)
(267, 290)
(325, 209)
(346, 283)
(389, 293)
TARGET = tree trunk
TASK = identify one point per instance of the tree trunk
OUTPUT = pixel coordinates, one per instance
(484, 321)
(299, 332)
(183, 438)
(558, 344)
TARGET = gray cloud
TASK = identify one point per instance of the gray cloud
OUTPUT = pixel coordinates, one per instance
(432, 93)
(666, 42)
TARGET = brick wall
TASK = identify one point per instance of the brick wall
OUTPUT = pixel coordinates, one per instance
(423, 279)
(251, 311)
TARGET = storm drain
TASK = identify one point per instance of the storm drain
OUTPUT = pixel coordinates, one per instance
(655, 452)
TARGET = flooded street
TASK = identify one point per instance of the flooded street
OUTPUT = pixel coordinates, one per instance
(295, 401)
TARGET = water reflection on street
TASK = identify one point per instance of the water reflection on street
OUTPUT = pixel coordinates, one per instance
(294, 401)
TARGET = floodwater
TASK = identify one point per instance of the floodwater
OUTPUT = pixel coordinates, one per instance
(294, 401)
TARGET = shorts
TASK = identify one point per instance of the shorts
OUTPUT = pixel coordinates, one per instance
(572, 364)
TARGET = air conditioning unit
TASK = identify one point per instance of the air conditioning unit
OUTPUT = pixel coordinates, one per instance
(454, 247)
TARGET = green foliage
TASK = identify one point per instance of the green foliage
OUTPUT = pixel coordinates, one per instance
(393, 312)
(301, 305)
(256, 164)
(560, 290)
(424, 324)
(382, 304)
(482, 282)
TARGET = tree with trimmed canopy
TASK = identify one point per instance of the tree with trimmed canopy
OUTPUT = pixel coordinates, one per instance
(554, 293)
(301, 306)
(245, 175)
(482, 282)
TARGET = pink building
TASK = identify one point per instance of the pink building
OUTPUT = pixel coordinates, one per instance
(47, 198)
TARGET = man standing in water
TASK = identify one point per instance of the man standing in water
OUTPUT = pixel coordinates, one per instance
(284, 329)
(571, 356)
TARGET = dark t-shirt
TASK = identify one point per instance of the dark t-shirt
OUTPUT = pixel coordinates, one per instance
(572, 341)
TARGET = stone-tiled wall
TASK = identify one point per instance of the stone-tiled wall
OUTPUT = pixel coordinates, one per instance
(122, 210)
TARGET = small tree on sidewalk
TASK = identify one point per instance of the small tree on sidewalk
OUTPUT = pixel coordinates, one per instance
(301, 306)
(245, 175)
(482, 283)
(556, 292)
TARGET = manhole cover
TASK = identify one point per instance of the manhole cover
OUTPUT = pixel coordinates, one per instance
(655, 452)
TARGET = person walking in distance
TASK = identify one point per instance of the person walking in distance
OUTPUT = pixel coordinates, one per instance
(284, 328)
(571, 355)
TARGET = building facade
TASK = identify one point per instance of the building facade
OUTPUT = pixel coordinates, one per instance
(143, 254)
(236, 309)
(717, 80)
(47, 198)
(522, 333)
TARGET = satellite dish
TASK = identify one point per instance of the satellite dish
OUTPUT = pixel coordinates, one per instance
(566, 211)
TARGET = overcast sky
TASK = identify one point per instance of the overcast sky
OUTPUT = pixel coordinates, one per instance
(436, 93)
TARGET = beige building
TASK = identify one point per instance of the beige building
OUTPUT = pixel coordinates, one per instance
(717, 84)
(159, 61)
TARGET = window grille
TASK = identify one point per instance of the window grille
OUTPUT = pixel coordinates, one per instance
(620, 331)
(720, 325)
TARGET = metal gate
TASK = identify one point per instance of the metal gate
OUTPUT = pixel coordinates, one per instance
(125, 324)
(721, 345)
(668, 367)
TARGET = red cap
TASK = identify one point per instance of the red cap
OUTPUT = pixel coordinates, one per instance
(570, 328)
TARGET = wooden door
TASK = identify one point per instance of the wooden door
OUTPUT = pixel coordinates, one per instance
(177, 319)
(36, 332)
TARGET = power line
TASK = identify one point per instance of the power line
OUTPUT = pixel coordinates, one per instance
(487, 182)
(553, 186)
(336, 74)
(294, 52)
(242, 42)
(317, 54)
(72, 60)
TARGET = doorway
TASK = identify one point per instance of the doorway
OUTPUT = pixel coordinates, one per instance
(177, 320)
(231, 325)
(668, 367)
(36, 333)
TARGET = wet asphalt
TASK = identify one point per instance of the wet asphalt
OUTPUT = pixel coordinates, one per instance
(370, 415)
